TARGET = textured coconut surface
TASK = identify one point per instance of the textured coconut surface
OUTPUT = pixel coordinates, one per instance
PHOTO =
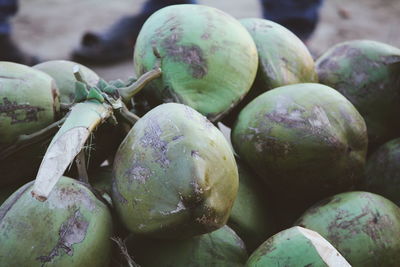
(51, 28)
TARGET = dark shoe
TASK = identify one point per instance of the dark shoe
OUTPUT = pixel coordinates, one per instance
(113, 45)
(9, 51)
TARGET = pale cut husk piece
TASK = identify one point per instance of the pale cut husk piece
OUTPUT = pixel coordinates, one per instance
(67, 143)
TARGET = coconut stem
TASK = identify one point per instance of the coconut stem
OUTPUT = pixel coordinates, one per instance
(76, 70)
(128, 116)
(128, 92)
(81, 166)
(26, 140)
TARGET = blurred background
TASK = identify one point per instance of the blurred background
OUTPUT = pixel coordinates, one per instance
(52, 28)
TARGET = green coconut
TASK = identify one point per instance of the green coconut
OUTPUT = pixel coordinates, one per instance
(368, 74)
(296, 246)
(175, 175)
(283, 57)
(306, 141)
(219, 248)
(71, 228)
(363, 227)
(252, 216)
(208, 59)
(28, 101)
(283, 60)
(62, 72)
(382, 172)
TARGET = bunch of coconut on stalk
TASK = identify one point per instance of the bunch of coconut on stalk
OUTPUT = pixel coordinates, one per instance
(231, 148)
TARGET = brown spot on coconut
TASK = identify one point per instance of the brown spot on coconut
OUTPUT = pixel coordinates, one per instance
(209, 60)
(364, 227)
(283, 60)
(368, 74)
(177, 174)
(64, 230)
(297, 140)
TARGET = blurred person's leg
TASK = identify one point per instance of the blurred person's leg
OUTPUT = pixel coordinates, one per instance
(117, 42)
(9, 50)
(299, 16)
(8, 8)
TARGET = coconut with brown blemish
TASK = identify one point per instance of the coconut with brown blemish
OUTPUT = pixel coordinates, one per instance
(29, 102)
(68, 229)
(368, 74)
(175, 175)
(363, 227)
(306, 141)
(209, 60)
(283, 59)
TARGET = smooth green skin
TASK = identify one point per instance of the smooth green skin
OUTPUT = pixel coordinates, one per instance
(251, 217)
(382, 172)
(219, 248)
(209, 60)
(61, 72)
(289, 247)
(72, 225)
(368, 74)
(32, 101)
(363, 227)
(175, 175)
(306, 141)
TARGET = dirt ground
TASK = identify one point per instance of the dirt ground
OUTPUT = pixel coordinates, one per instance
(51, 28)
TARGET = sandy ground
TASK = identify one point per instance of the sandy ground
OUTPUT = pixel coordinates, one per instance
(51, 28)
